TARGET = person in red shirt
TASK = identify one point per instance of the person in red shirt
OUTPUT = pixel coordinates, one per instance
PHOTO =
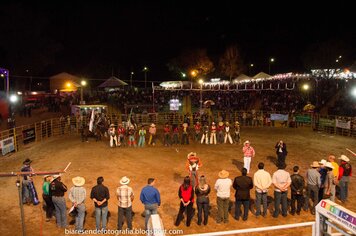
(249, 152)
(193, 164)
(345, 171)
(121, 134)
(186, 195)
(167, 135)
(197, 129)
(175, 134)
(213, 133)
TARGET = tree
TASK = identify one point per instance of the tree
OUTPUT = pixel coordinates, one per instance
(230, 62)
(192, 60)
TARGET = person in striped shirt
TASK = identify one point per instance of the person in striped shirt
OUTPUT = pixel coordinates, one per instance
(248, 152)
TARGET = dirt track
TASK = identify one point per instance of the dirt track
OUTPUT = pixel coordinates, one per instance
(167, 165)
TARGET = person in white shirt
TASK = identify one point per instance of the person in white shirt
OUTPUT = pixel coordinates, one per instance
(222, 186)
(262, 181)
(281, 181)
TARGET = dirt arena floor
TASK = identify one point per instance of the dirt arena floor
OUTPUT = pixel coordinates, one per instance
(167, 165)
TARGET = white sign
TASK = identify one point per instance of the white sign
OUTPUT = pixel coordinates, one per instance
(279, 117)
(337, 213)
(343, 124)
(7, 145)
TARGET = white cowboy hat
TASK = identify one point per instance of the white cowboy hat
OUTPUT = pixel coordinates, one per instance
(328, 164)
(192, 154)
(55, 177)
(78, 181)
(223, 174)
(153, 125)
(124, 180)
(213, 123)
(344, 158)
(112, 125)
(221, 123)
(246, 142)
(322, 162)
(315, 164)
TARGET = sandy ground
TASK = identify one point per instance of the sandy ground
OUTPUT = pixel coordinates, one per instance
(167, 165)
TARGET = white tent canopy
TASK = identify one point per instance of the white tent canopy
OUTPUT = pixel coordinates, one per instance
(242, 78)
(262, 76)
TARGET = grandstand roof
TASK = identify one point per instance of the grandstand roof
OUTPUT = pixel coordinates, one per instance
(242, 78)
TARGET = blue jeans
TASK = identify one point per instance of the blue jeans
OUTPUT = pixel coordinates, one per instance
(150, 209)
(246, 204)
(261, 197)
(141, 141)
(124, 213)
(79, 219)
(25, 191)
(344, 187)
(103, 213)
(280, 198)
(61, 214)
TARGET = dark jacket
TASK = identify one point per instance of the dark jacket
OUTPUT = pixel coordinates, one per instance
(202, 195)
(57, 188)
(297, 184)
(284, 149)
(243, 184)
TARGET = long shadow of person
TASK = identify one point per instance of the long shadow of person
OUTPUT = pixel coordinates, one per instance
(272, 159)
(237, 163)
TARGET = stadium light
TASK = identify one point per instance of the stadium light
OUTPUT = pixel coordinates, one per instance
(14, 98)
(305, 87)
(83, 83)
(68, 85)
(353, 92)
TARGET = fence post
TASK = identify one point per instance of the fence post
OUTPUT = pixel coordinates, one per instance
(15, 139)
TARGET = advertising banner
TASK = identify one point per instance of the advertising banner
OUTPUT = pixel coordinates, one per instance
(343, 124)
(29, 135)
(279, 117)
(7, 145)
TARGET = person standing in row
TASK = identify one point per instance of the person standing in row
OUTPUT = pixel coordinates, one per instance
(125, 196)
(313, 184)
(281, 181)
(77, 195)
(150, 197)
(222, 186)
(242, 185)
(202, 197)
(345, 171)
(262, 180)
(297, 188)
(100, 195)
(186, 196)
(249, 153)
(47, 197)
(57, 190)
(329, 185)
(142, 136)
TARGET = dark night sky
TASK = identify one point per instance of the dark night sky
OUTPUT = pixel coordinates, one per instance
(94, 38)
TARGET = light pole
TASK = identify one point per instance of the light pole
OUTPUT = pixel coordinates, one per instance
(201, 94)
(145, 69)
(250, 69)
(306, 88)
(131, 75)
(83, 84)
(271, 60)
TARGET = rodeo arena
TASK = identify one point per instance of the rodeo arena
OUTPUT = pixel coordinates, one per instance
(262, 155)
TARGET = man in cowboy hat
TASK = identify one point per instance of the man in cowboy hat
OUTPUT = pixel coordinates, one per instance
(237, 138)
(46, 195)
(222, 186)
(213, 133)
(248, 152)
(112, 135)
(57, 190)
(185, 138)
(313, 184)
(197, 129)
(29, 193)
(125, 196)
(345, 171)
(77, 195)
(227, 133)
(193, 164)
(220, 131)
(152, 131)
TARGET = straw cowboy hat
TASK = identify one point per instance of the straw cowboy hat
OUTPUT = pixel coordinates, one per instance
(315, 164)
(185, 125)
(124, 180)
(194, 154)
(236, 122)
(112, 125)
(322, 162)
(329, 165)
(221, 123)
(227, 123)
(55, 177)
(246, 142)
(78, 181)
(27, 162)
(223, 174)
(344, 158)
(213, 123)
(153, 125)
